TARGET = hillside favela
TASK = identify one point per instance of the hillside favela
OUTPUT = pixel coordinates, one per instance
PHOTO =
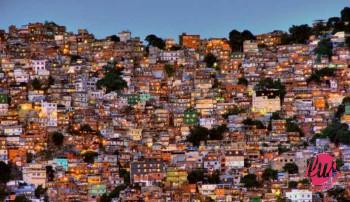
(122, 118)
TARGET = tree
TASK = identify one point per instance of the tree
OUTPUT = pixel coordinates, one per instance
(36, 84)
(324, 47)
(242, 81)
(233, 111)
(345, 14)
(338, 193)
(247, 35)
(57, 139)
(112, 81)
(339, 163)
(21, 198)
(347, 42)
(198, 134)
(89, 157)
(125, 175)
(292, 126)
(291, 168)
(85, 128)
(217, 133)
(236, 40)
(269, 83)
(29, 157)
(214, 178)
(336, 132)
(5, 171)
(114, 38)
(250, 181)
(50, 173)
(210, 60)
(195, 176)
(39, 191)
(270, 174)
(250, 122)
(113, 194)
(319, 74)
(155, 41)
(169, 69)
(51, 81)
(300, 34)
(332, 21)
(319, 28)
(292, 184)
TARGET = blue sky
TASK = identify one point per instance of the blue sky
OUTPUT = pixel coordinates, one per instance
(169, 18)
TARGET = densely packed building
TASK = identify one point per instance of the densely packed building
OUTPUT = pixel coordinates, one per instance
(115, 119)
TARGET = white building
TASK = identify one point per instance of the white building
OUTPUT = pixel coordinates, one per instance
(299, 195)
(124, 36)
(35, 173)
(48, 113)
(266, 101)
(250, 46)
(39, 67)
(20, 76)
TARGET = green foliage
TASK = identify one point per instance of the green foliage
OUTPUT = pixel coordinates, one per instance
(198, 175)
(5, 171)
(282, 149)
(51, 81)
(270, 174)
(195, 176)
(155, 41)
(210, 60)
(50, 173)
(337, 133)
(251, 122)
(324, 48)
(291, 168)
(199, 133)
(268, 83)
(345, 14)
(89, 157)
(112, 80)
(300, 34)
(36, 84)
(113, 194)
(347, 42)
(233, 111)
(250, 181)
(242, 81)
(169, 69)
(338, 193)
(237, 38)
(125, 175)
(57, 139)
(86, 128)
(217, 132)
(292, 126)
(304, 181)
(292, 184)
(21, 198)
(214, 178)
(339, 163)
(114, 38)
(39, 191)
(319, 74)
(3, 193)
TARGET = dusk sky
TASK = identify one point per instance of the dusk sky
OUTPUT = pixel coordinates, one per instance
(169, 18)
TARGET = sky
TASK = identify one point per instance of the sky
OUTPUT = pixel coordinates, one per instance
(169, 18)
